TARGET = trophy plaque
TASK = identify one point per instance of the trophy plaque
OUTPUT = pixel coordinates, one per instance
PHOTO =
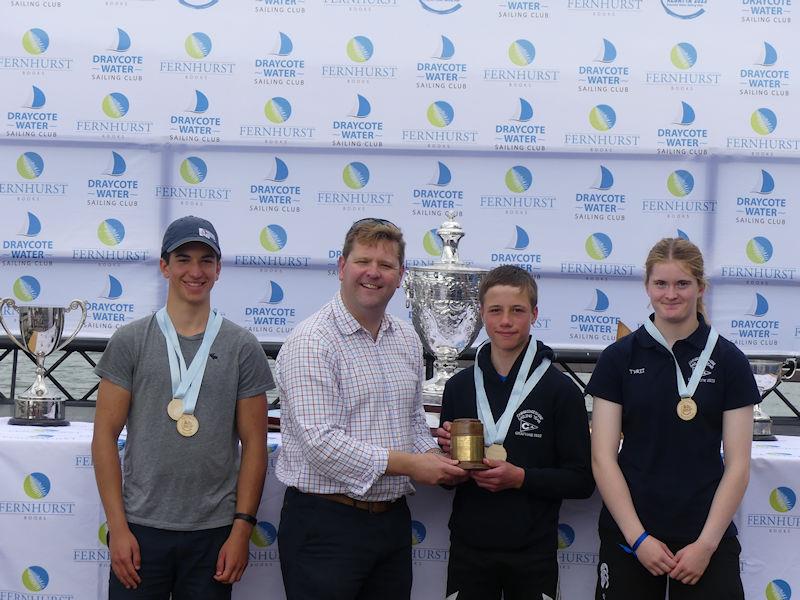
(444, 308)
(41, 329)
(768, 374)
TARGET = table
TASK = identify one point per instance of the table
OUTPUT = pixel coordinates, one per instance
(52, 525)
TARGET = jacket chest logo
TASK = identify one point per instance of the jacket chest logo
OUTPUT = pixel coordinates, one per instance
(529, 422)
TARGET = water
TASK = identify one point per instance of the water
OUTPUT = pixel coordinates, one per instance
(78, 377)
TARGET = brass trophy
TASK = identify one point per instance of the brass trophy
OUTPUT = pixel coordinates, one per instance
(467, 443)
(768, 374)
(444, 308)
(41, 329)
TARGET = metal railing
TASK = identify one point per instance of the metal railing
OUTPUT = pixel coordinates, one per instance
(570, 361)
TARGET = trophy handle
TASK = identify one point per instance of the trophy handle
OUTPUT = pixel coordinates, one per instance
(790, 366)
(11, 304)
(72, 306)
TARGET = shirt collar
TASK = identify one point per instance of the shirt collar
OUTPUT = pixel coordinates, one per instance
(697, 338)
(348, 324)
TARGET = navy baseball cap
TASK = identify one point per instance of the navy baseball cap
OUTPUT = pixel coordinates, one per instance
(190, 229)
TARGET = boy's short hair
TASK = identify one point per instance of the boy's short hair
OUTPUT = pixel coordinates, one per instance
(513, 276)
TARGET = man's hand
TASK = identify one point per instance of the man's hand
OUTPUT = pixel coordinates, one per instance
(232, 559)
(125, 558)
(435, 469)
(654, 556)
(443, 437)
(500, 475)
(692, 561)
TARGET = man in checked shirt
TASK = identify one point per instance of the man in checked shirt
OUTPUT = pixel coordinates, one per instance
(354, 433)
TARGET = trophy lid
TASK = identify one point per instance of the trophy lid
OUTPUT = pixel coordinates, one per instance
(450, 232)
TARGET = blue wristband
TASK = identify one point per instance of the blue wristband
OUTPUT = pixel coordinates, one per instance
(636, 544)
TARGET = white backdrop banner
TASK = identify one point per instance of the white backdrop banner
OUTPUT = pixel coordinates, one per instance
(567, 135)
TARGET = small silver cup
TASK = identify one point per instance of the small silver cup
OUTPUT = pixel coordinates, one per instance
(768, 374)
(41, 329)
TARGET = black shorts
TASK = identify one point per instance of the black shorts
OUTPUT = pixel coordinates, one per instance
(620, 576)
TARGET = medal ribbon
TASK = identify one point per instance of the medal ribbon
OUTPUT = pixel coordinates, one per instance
(495, 433)
(686, 390)
(186, 382)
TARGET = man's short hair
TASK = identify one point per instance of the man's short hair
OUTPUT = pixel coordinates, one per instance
(370, 231)
(513, 276)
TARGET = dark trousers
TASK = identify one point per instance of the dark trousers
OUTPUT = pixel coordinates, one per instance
(479, 574)
(621, 576)
(330, 551)
(180, 563)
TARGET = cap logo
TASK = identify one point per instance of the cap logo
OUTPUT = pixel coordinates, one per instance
(206, 234)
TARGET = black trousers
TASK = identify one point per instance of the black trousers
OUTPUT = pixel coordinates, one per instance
(330, 551)
(479, 574)
(621, 576)
(180, 563)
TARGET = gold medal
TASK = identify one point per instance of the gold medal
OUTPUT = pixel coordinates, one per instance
(496, 452)
(687, 409)
(175, 409)
(188, 425)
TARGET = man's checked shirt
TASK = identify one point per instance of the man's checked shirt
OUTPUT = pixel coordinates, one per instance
(346, 400)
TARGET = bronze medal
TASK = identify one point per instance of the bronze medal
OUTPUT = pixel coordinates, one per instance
(496, 452)
(687, 409)
(187, 425)
(175, 409)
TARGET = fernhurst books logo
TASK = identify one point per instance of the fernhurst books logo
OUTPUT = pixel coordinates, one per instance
(264, 534)
(115, 105)
(683, 56)
(440, 114)
(432, 243)
(763, 121)
(418, 532)
(360, 49)
(193, 170)
(680, 183)
(35, 578)
(566, 536)
(273, 238)
(602, 117)
(518, 179)
(278, 110)
(759, 250)
(198, 45)
(36, 485)
(782, 499)
(111, 232)
(30, 165)
(27, 288)
(521, 52)
(778, 589)
(35, 41)
(598, 246)
(355, 175)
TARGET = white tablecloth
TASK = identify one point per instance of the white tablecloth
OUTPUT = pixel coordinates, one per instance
(51, 521)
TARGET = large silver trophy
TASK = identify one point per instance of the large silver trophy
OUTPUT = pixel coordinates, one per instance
(444, 308)
(41, 329)
(768, 374)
